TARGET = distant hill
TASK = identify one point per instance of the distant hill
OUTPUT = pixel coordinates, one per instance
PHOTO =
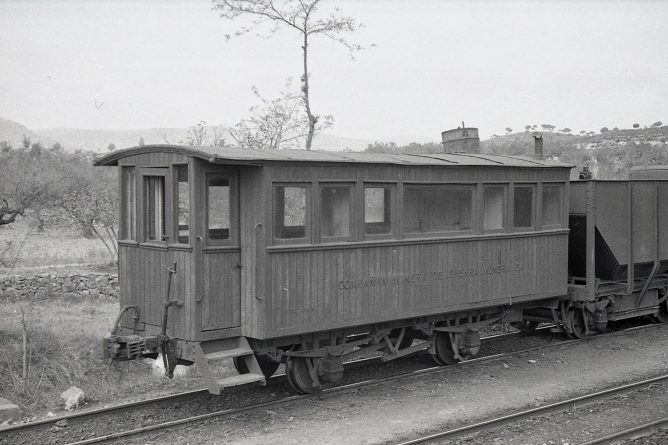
(98, 140)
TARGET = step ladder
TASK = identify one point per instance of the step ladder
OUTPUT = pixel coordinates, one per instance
(240, 349)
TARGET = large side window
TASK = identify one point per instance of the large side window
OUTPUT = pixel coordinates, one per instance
(552, 204)
(290, 212)
(154, 208)
(438, 209)
(218, 208)
(335, 211)
(524, 206)
(377, 210)
(128, 229)
(494, 207)
(182, 204)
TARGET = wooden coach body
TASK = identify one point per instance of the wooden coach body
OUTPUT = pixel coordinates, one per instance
(277, 244)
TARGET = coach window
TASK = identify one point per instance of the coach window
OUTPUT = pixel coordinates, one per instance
(438, 209)
(129, 204)
(335, 211)
(524, 206)
(182, 204)
(154, 208)
(377, 210)
(217, 208)
(290, 212)
(552, 204)
(494, 207)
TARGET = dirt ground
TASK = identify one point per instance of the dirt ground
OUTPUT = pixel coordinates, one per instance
(455, 396)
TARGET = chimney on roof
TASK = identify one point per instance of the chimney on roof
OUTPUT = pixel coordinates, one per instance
(461, 140)
(538, 146)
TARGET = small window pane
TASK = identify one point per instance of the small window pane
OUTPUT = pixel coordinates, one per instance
(218, 214)
(523, 207)
(290, 212)
(183, 204)
(494, 208)
(129, 197)
(155, 208)
(552, 206)
(438, 209)
(335, 211)
(377, 210)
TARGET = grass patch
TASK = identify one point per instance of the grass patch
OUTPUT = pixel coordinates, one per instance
(64, 349)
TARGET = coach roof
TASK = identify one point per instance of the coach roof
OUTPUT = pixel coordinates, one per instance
(217, 155)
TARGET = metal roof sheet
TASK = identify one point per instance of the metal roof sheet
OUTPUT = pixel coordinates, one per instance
(259, 157)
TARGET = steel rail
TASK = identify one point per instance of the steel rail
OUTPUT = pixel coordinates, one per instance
(586, 399)
(631, 433)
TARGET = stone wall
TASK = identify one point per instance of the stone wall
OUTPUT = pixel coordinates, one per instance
(78, 285)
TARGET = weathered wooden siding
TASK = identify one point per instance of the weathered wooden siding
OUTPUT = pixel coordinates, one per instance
(142, 277)
(314, 289)
(221, 304)
(252, 204)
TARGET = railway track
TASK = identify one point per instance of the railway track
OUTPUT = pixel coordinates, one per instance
(493, 423)
(48, 426)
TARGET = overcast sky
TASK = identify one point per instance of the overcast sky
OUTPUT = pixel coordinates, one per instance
(128, 64)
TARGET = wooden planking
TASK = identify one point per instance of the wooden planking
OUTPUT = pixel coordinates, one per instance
(393, 282)
(221, 305)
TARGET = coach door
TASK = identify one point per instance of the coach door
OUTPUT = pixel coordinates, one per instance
(220, 253)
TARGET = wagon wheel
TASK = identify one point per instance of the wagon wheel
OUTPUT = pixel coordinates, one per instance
(299, 375)
(525, 326)
(578, 327)
(662, 315)
(267, 366)
(444, 354)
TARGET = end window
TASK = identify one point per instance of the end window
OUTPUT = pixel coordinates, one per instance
(218, 208)
(552, 204)
(523, 206)
(290, 212)
(154, 208)
(377, 210)
(129, 204)
(182, 204)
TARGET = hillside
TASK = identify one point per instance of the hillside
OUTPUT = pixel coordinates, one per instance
(98, 140)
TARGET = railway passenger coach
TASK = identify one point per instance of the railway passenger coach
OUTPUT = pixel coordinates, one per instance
(310, 258)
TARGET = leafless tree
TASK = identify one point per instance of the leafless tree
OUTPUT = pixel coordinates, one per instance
(275, 123)
(302, 16)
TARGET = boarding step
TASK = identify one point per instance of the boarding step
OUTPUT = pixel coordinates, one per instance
(228, 349)
(240, 379)
(229, 353)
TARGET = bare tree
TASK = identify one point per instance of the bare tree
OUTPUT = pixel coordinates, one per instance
(197, 135)
(275, 123)
(302, 16)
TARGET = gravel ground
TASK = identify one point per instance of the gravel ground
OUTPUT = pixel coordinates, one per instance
(277, 388)
(458, 395)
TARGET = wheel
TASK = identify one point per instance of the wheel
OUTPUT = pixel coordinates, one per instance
(267, 366)
(662, 315)
(577, 322)
(444, 355)
(525, 326)
(299, 377)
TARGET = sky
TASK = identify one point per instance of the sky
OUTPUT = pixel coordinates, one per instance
(428, 66)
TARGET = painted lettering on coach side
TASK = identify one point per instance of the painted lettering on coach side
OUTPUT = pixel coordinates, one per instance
(437, 275)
